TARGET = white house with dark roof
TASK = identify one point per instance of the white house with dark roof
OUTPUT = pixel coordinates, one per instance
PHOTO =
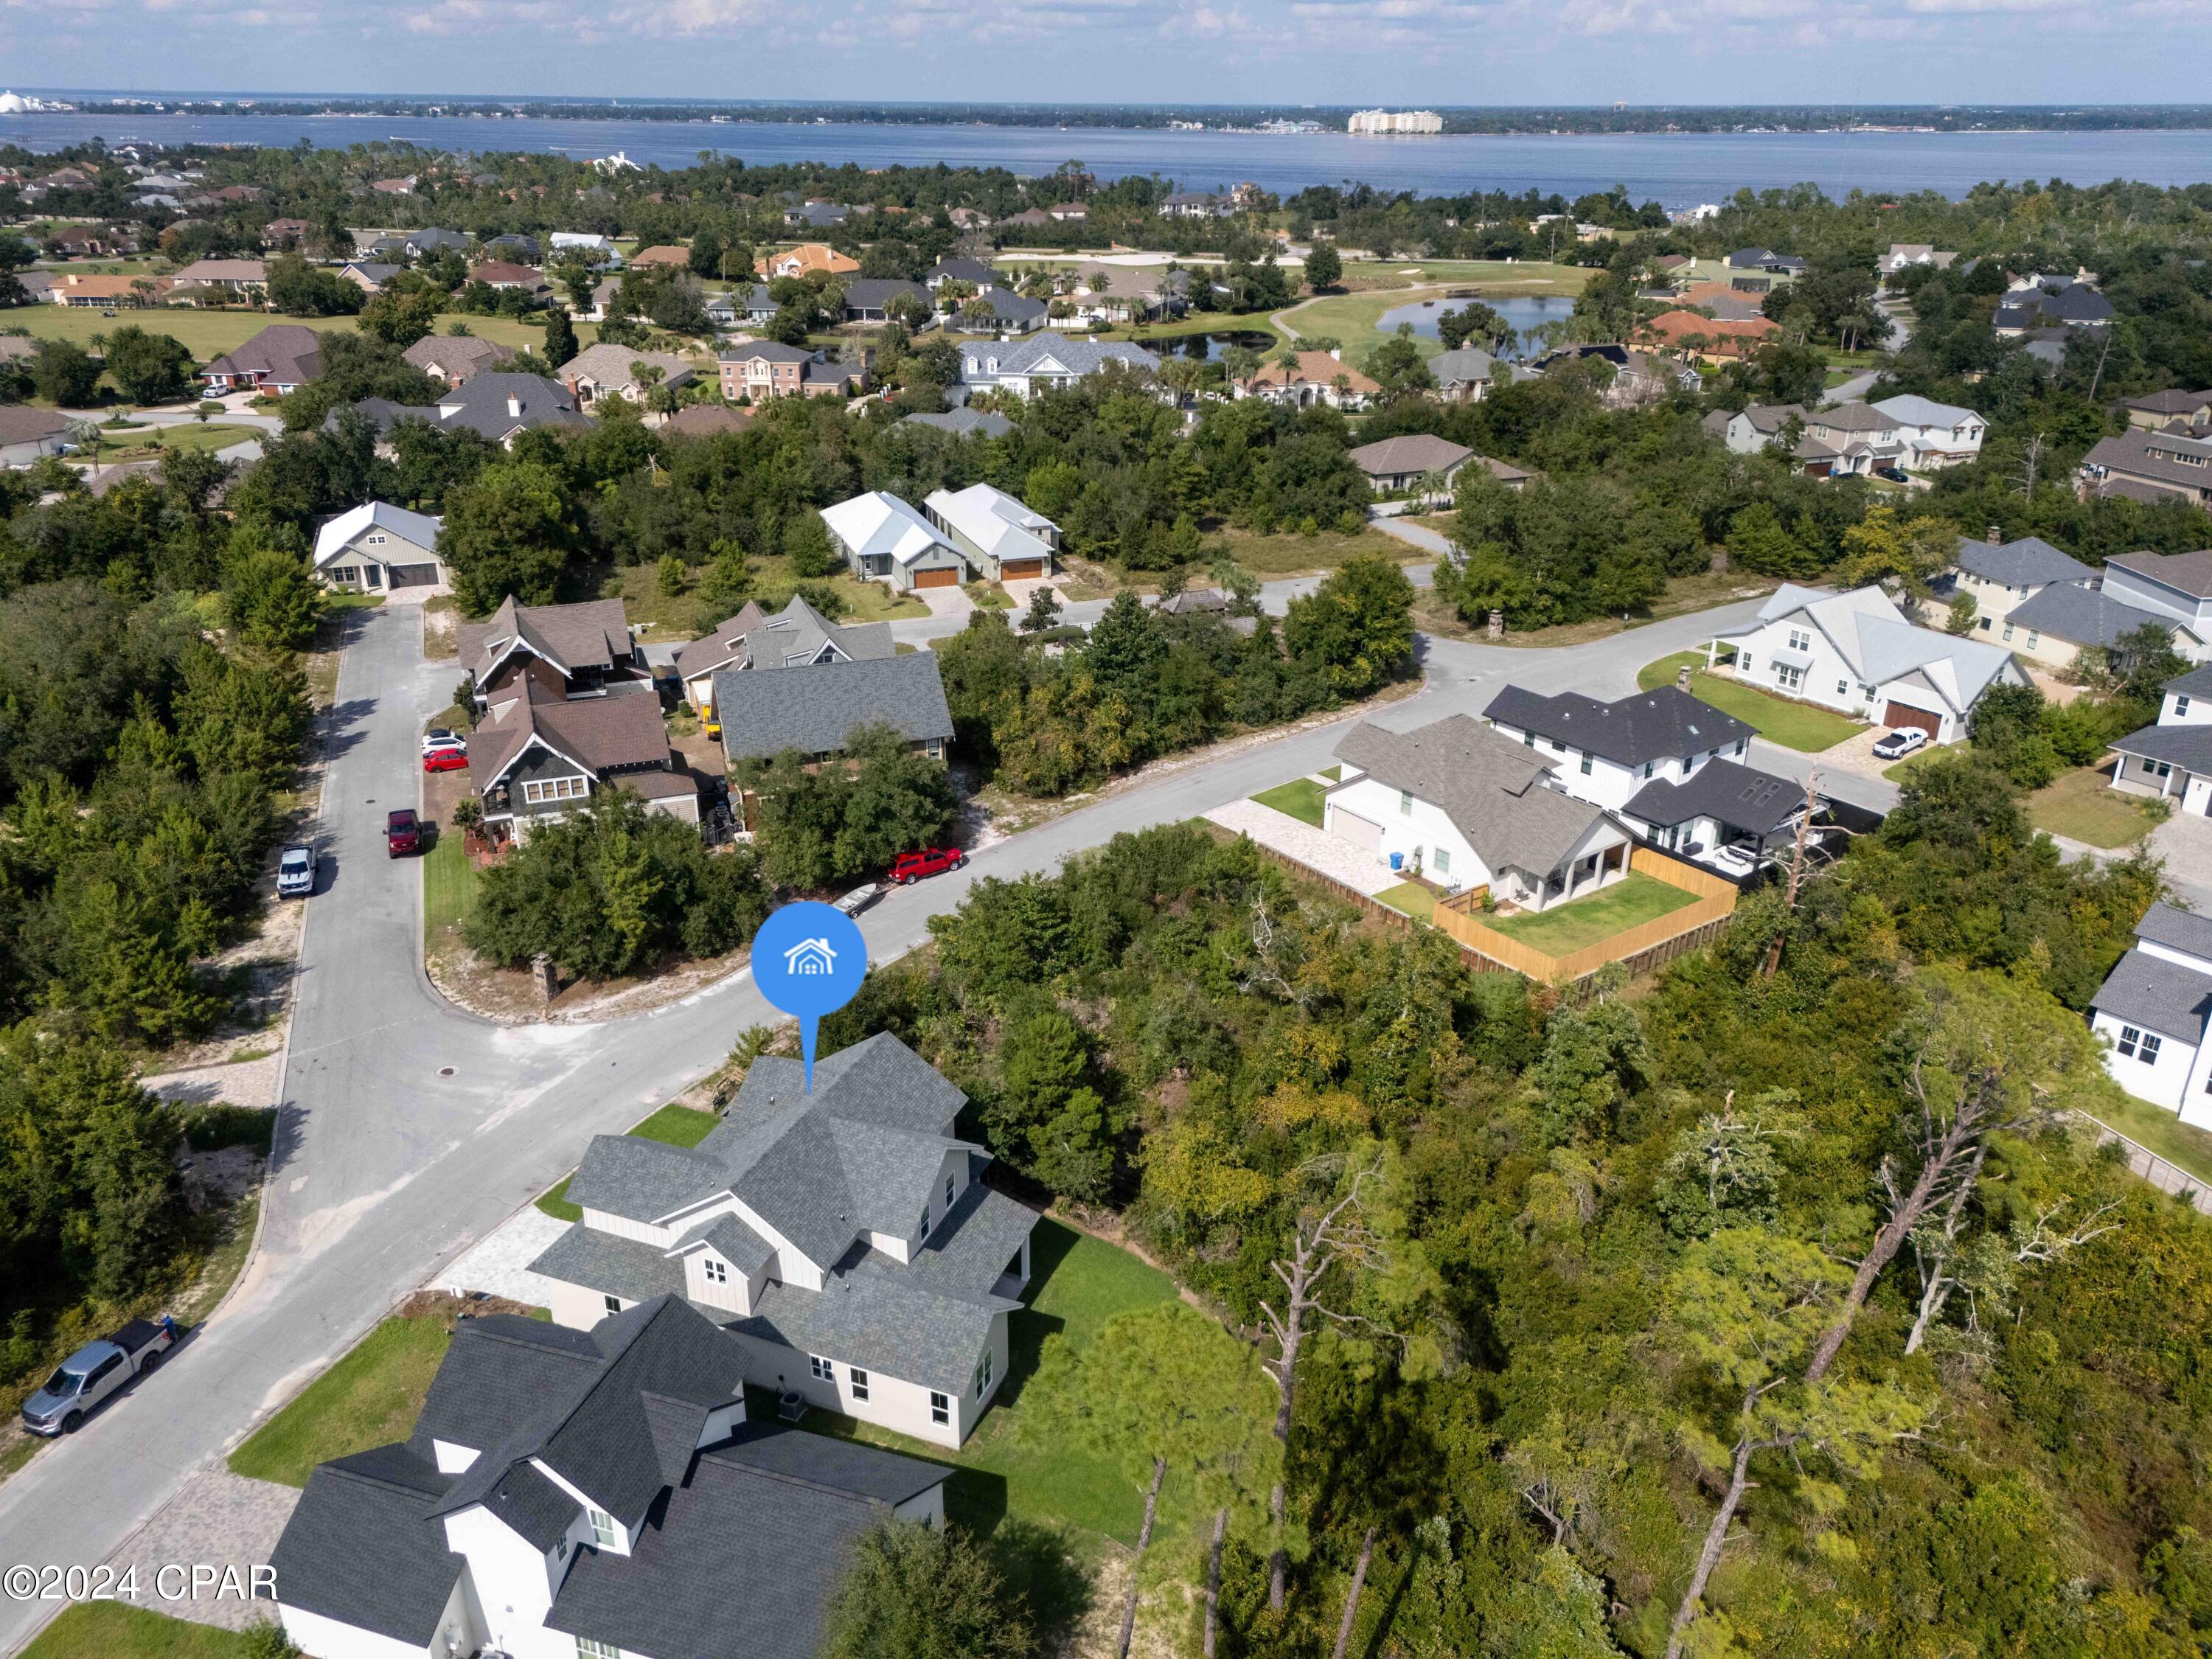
(1466, 806)
(587, 1493)
(2175, 588)
(1935, 435)
(1605, 752)
(1856, 653)
(2152, 1010)
(2172, 757)
(1723, 803)
(844, 1237)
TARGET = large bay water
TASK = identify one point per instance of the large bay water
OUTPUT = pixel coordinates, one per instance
(1677, 170)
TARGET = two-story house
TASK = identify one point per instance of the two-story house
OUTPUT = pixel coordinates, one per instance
(543, 755)
(574, 650)
(1466, 806)
(798, 636)
(603, 371)
(1856, 653)
(2173, 758)
(2150, 466)
(761, 370)
(1044, 361)
(1608, 751)
(595, 1493)
(2152, 1010)
(1002, 537)
(495, 403)
(844, 1237)
(2174, 588)
(1863, 437)
(1935, 435)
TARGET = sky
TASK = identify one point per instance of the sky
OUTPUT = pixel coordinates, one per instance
(1398, 53)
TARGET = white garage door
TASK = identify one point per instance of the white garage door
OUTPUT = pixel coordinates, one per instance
(1351, 827)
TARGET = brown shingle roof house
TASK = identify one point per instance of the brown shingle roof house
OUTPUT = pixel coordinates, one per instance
(573, 647)
(668, 253)
(280, 357)
(453, 357)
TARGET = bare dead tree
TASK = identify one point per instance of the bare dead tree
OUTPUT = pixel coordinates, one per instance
(1793, 875)
(1352, 1596)
(1708, 1556)
(2030, 459)
(1214, 1577)
(1267, 968)
(2037, 1243)
(1144, 1540)
(1339, 1235)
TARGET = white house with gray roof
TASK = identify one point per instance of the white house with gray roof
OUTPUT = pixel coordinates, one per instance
(1607, 751)
(1466, 806)
(1857, 654)
(2172, 757)
(378, 548)
(1043, 362)
(844, 1237)
(592, 1492)
(2152, 1010)
(1935, 435)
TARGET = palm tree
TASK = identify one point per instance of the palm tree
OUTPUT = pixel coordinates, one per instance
(87, 434)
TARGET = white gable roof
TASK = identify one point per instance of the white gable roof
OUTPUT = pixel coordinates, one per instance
(878, 523)
(1911, 411)
(332, 538)
(1001, 526)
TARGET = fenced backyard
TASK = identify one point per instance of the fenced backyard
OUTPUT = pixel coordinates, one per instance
(1642, 946)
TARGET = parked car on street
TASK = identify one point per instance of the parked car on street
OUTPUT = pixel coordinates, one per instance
(403, 834)
(296, 871)
(95, 1371)
(1894, 474)
(445, 760)
(1896, 744)
(439, 738)
(859, 899)
(929, 861)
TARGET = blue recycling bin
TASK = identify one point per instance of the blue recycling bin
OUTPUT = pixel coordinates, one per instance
(1397, 860)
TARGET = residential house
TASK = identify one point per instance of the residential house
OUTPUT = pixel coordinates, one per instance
(286, 234)
(1724, 302)
(1766, 259)
(1004, 539)
(871, 299)
(760, 369)
(1046, 361)
(281, 358)
(1027, 219)
(798, 636)
(503, 277)
(974, 272)
(579, 651)
(843, 1237)
(378, 548)
(805, 258)
(1608, 751)
(27, 434)
(588, 1492)
(453, 358)
(369, 275)
(970, 219)
(706, 421)
(749, 304)
(2160, 412)
(611, 370)
(818, 215)
(2172, 757)
(963, 423)
(2000, 577)
(762, 715)
(94, 241)
(545, 752)
(1067, 213)
(1104, 292)
(1395, 465)
(993, 311)
(497, 404)
(884, 539)
(2055, 303)
(513, 244)
(592, 249)
(69, 288)
(1723, 804)
(1319, 377)
(1463, 376)
(403, 185)
(1749, 431)
(434, 240)
(1935, 435)
(1196, 204)
(2176, 588)
(2153, 1009)
(1863, 437)
(1856, 653)
(1708, 338)
(1903, 254)
(1465, 806)
(2148, 466)
(1639, 378)
(671, 254)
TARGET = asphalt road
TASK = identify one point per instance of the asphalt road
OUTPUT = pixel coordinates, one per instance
(410, 1129)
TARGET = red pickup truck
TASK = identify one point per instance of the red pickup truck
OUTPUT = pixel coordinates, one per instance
(929, 861)
(402, 833)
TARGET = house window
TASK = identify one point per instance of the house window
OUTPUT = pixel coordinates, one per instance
(1743, 746)
(1842, 687)
(2147, 1050)
(614, 1304)
(2034, 638)
(982, 1376)
(1789, 678)
(1647, 768)
(2158, 768)
(1443, 862)
(603, 1530)
(717, 1272)
(1867, 691)
(1529, 739)
(1800, 639)
(859, 1383)
(1405, 803)
(347, 573)
(1586, 762)
(2180, 707)
(940, 1407)
(2007, 633)
(823, 1370)
(2129, 1038)
(587, 1649)
(924, 1233)
(951, 1188)
(376, 541)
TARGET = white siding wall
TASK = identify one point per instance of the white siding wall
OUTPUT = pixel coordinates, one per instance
(1608, 783)
(1820, 682)
(2128, 588)
(576, 1307)
(892, 1401)
(2198, 712)
(514, 1584)
(729, 1295)
(2163, 1083)
(326, 1638)
(643, 1232)
(452, 1458)
(1416, 831)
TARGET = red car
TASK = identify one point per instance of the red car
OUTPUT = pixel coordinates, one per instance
(401, 834)
(929, 861)
(445, 760)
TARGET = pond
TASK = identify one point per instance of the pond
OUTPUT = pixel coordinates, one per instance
(1204, 348)
(1521, 311)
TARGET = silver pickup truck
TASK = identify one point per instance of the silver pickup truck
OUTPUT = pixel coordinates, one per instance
(95, 1371)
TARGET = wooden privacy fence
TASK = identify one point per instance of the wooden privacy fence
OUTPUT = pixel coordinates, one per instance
(1643, 947)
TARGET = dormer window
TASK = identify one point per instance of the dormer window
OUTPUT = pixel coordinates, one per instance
(717, 1272)
(924, 1233)
(604, 1532)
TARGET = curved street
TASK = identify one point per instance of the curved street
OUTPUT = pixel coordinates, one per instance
(409, 1129)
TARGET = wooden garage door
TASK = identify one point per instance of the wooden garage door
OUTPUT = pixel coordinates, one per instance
(414, 575)
(1019, 570)
(1904, 713)
(947, 577)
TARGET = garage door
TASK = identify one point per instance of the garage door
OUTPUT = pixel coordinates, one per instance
(1904, 713)
(1020, 570)
(1351, 827)
(414, 575)
(948, 577)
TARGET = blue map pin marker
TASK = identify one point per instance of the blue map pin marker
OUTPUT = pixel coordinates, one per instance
(809, 960)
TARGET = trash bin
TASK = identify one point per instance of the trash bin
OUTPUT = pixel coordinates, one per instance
(1397, 860)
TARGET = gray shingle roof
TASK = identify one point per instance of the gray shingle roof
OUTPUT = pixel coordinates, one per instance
(2150, 455)
(2189, 746)
(531, 1504)
(1646, 725)
(2146, 990)
(2030, 561)
(1491, 787)
(874, 1321)
(500, 1373)
(794, 636)
(642, 1180)
(2177, 929)
(2197, 683)
(1076, 356)
(2082, 615)
(1738, 795)
(823, 1460)
(2186, 573)
(1418, 451)
(735, 1243)
(610, 1264)
(764, 715)
(360, 1546)
(1468, 363)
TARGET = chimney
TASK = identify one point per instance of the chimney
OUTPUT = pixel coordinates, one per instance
(514, 408)
(1996, 536)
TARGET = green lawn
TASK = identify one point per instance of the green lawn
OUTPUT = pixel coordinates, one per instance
(2082, 806)
(2160, 1131)
(1629, 903)
(676, 1126)
(1287, 553)
(449, 883)
(1301, 798)
(1799, 726)
(676, 616)
(118, 1630)
(1077, 1283)
(369, 1398)
(141, 442)
(1415, 899)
